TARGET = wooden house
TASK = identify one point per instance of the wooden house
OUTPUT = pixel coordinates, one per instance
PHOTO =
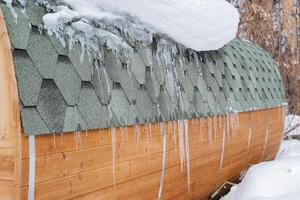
(75, 129)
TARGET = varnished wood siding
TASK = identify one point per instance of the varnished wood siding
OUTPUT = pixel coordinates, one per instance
(10, 126)
(62, 172)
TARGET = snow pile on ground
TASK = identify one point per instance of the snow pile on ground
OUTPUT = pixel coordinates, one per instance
(274, 180)
(197, 24)
(292, 125)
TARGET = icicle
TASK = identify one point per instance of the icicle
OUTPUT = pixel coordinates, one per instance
(215, 130)
(209, 130)
(126, 132)
(122, 134)
(78, 140)
(150, 130)
(77, 132)
(148, 143)
(181, 143)
(100, 135)
(164, 149)
(220, 123)
(174, 134)
(187, 154)
(232, 122)
(193, 125)
(223, 145)
(137, 137)
(113, 144)
(61, 138)
(200, 127)
(249, 131)
(266, 141)
(98, 77)
(227, 127)
(54, 141)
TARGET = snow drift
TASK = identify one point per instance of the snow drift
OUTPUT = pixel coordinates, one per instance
(274, 180)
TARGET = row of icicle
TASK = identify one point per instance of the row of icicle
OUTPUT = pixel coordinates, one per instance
(226, 124)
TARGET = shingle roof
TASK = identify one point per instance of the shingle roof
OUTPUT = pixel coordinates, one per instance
(60, 92)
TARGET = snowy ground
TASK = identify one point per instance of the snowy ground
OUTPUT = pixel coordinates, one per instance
(273, 180)
(292, 125)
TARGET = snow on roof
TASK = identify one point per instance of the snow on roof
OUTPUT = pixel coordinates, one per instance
(197, 24)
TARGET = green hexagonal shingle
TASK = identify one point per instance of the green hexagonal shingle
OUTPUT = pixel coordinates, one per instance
(51, 106)
(81, 62)
(42, 53)
(35, 13)
(67, 80)
(94, 113)
(28, 78)
(19, 29)
(121, 107)
(32, 121)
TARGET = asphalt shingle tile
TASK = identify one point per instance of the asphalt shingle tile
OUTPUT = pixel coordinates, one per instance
(73, 120)
(94, 113)
(121, 106)
(52, 106)
(42, 53)
(15, 27)
(32, 121)
(102, 83)
(81, 62)
(35, 13)
(27, 75)
(138, 67)
(67, 80)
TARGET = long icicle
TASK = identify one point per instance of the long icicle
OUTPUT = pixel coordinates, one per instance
(181, 144)
(187, 154)
(113, 144)
(266, 141)
(249, 131)
(223, 144)
(209, 130)
(164, 148)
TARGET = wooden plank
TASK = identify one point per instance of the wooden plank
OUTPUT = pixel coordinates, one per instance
(7, 190)
(7, 164)
(10, 124)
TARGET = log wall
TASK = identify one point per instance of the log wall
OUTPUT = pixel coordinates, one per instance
(71, 166)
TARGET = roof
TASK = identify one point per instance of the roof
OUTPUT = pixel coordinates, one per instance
(59, 92)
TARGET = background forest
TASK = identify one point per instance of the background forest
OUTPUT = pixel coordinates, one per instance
(275, 25)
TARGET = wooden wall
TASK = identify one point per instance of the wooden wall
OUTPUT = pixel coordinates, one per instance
(10, 126)
(68, 170)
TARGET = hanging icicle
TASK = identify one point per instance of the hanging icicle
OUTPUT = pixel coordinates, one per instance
(223, 144)
(113, 144)
(249, 132)
(209, 131)
(187, 154)
(164, 149)
(181, 143)
(266, 141)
